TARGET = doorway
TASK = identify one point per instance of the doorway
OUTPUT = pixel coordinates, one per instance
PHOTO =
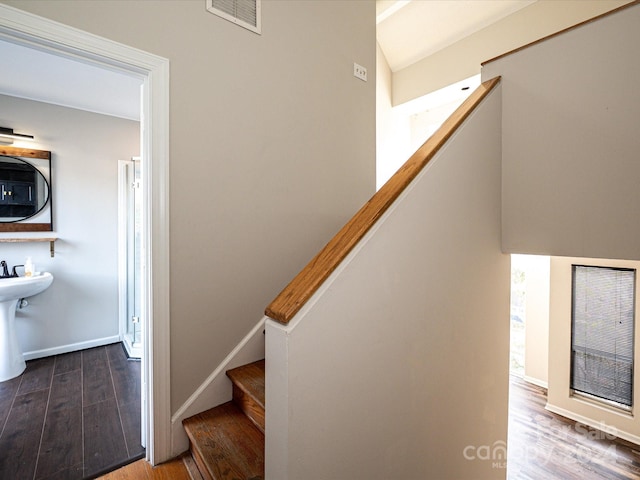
(530, 291)
(22, 28)
(517, 315)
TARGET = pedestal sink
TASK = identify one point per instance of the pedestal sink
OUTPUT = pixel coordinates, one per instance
(11, 290)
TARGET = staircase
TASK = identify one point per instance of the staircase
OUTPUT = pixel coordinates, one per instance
(227, 442)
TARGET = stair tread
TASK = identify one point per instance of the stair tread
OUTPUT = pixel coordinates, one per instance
(226, 443)
(250, 379)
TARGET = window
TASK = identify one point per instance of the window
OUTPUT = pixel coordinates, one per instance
(602, 329)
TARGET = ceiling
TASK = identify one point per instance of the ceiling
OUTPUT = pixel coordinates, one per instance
(410, 30)
(407, 31)
(38, 75)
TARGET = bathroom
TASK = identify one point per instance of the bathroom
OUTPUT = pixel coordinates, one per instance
(81, 308)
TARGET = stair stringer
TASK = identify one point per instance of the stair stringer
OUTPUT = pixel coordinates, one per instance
(216, 389)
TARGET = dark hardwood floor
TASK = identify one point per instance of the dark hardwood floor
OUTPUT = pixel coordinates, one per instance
(543, 445)
(71, 416)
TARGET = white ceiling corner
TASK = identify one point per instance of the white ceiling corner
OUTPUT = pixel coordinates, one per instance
(408, 31)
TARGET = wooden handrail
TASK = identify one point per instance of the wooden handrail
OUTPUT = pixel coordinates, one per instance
(304, 285)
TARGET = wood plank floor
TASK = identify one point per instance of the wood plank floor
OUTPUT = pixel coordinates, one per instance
(543, 445)
(71, 416)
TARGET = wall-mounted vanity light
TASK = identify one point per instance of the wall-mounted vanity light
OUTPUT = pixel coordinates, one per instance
(7, 136)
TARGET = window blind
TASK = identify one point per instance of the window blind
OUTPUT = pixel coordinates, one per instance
(602, 332)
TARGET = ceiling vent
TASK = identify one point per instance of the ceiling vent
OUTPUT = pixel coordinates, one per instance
(245, 13)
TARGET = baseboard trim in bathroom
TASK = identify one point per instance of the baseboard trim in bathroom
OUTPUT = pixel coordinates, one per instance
(73, 347)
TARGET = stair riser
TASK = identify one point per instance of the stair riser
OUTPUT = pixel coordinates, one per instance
(191, 466)
(249, 407)
(202, 466)
(227, 441)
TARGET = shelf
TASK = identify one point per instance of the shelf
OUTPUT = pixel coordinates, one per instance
(51, 241)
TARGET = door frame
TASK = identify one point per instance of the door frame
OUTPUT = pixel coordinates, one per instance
(126, 264)
(24, 28)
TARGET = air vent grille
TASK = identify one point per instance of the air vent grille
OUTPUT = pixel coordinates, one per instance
(245, 13)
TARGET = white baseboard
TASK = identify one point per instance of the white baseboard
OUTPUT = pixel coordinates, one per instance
(536, 381)
(72, 347)
(216, 389)
(630, 437)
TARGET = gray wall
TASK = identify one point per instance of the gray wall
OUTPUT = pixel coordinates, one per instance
(80, 309)
(571, 141)
(272, 150)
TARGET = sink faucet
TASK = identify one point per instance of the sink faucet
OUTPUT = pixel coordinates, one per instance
(5, 270)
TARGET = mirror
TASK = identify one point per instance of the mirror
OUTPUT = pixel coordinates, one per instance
(25, 190)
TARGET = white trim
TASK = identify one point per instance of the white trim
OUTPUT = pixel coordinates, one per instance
(124, 197)
(536, 381)
(276, 440)
(122, 248)
(157, 331)
(132, 351)
(72, 347)
(630, 437)
(38, 32)
(216, 389)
